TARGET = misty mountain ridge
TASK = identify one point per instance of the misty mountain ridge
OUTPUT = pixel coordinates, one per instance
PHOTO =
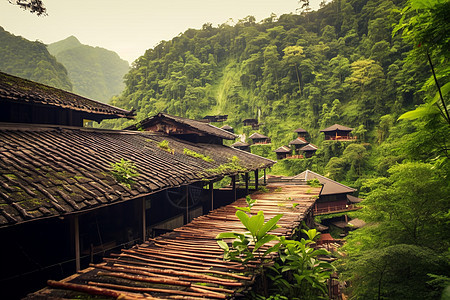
(95, 72)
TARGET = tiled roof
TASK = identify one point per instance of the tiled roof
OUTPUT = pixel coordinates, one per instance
(336, 127)
(298, 141)
(20, 90)
(301, 130)
(330, 187)
(309, 147)
(257, 135)
(197, 125)
(240, 144)
(283, 149)
(48, 171)
(225, 127)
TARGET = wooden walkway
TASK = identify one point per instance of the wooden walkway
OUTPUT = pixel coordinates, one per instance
(186, 263)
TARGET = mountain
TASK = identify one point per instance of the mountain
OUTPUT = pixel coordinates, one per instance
(95, 72)
(31, 60)
(339, 64)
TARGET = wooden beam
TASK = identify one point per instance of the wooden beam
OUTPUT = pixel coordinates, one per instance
(76, 237)
(246, 183)
(187, 204)
(265, 181)
(144, 221)
(211, 188)
(256, 179)
(233, 183)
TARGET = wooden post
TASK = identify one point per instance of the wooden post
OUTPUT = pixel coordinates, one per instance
(187, 204)
(265, 181)
(144, 225)
(233, 183)
(256, 180)
(211, 188)
(246, 183)
(76, 236)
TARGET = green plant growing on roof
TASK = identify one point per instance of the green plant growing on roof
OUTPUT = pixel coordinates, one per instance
(233, 165)
(314, 183)
(197, 155)
(164, 145)
(124, 171)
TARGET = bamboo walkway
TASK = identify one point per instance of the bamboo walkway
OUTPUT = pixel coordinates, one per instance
(186, 263)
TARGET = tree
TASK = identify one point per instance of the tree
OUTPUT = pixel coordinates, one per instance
(34, 6)
(292, 57)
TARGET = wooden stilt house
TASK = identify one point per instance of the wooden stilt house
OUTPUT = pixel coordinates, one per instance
(258, 138)
(337, 132)
(282, 152)
(334, 196)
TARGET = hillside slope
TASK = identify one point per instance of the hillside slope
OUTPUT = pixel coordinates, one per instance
(31, 60)
(96, 72)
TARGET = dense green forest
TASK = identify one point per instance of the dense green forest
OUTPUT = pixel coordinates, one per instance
(378, 66)
(95, 72)
(31, 60)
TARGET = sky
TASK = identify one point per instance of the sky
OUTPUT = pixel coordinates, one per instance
(129, 28)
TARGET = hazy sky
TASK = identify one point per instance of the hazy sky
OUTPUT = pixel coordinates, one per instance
(128, 27)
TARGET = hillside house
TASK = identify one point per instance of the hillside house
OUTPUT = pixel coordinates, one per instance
(308, 150)
(297, 144)
(241, 146)
(58, 191)
(338, 133)
(216, 118)
(283, 152)
(334, 196)
(302, 133)
(258, 138)
(228, 128)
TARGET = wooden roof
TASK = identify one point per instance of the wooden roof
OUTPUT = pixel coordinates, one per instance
(240, 144)
(300, 130)
(19, 90)
(187, 263)
(298, 141)
(309, 147)
(330, 187)
(201, 127)
(48, 171)
(336, 127)
(257, 135)
(283, 149)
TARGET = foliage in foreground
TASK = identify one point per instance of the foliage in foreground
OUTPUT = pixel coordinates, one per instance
(296, 274)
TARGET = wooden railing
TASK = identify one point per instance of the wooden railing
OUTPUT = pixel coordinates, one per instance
(333, 209)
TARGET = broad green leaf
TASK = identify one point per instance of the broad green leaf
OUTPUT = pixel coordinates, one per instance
(264, 241)
(268, 226)
(227, 235)
(245, 209)
(419, 112)
(223, 245)
(255, 223)
(243, 217)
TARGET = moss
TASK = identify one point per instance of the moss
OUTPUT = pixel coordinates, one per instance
(164, 145)
(11, 176)
(197, 155)
(233, 165)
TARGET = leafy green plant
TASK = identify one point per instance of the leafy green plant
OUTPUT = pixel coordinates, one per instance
(197, 155)
(164, 145)
(263, 189)
(233, 165)
(314, 183)
(124, 171)
(300, 274)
